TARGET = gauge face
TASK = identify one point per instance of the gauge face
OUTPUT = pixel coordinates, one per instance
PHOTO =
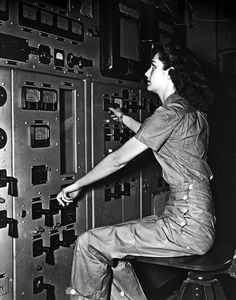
(30, 98)
(32, 95)
(77, 28)
(41, 133)
(40, 136)
(39, 99)
(30, 12)
(62, 23)
(46, 18)
(49, 96)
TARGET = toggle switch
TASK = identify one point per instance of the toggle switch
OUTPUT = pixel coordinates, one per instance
(12, 183)
(4, 220)
(125, 191)
(81, 62)
(68, 238)
(116, 194)
(39, 286)
(38, 212)
(38, 250)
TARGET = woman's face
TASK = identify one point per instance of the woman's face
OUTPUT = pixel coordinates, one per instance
(157, 78)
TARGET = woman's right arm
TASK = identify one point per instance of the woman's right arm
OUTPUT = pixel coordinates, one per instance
(128, 121)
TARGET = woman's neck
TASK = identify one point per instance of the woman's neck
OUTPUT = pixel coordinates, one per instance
(170, 89)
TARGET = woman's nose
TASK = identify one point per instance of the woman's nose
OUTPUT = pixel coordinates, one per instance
(147, 73)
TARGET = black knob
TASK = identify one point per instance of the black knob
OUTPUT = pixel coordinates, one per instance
(81, 62)
(84, 62)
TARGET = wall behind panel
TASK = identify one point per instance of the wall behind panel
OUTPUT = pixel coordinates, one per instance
(54, 127)
(212, 36)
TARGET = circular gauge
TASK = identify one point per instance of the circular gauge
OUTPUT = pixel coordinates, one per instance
(3, 138)
(3, 96)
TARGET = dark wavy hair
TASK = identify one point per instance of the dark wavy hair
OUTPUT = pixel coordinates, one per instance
(186, 73)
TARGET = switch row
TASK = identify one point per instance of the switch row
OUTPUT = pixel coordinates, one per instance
(118, 190)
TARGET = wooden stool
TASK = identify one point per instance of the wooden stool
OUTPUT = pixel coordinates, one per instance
(201, 283)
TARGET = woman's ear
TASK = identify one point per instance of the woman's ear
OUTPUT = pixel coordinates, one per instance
(171, 68)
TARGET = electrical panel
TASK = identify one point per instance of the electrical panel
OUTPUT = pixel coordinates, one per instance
(121, 197)
(55, 126)
(7, 192)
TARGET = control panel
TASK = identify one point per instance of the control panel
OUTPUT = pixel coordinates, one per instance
(127, 195)
(42, 149)
(55, 125)
(56, 37)
(8, 188)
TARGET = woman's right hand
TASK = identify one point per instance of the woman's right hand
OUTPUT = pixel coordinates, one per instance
(117, 114)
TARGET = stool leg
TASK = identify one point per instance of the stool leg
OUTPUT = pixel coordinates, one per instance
(195, 290)
(218, 290)
(201, 290)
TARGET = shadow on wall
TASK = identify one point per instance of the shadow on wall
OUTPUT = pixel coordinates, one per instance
(222, 156)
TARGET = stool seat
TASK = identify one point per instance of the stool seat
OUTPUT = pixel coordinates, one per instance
(217, 259)
(201, 283)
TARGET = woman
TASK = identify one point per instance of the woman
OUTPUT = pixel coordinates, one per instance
(177, 133)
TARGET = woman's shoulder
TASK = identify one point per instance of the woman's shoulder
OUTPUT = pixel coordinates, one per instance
(179, 105)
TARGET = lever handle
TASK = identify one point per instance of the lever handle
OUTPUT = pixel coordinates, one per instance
(13, 229)
(48, 218)
(84, 62)
(12, 183)
(12, 186)
(49, 255)
(50, 289)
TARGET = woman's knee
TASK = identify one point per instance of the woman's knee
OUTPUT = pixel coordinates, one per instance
(83, 240)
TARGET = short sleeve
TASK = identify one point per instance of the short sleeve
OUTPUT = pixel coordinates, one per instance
(158, 127)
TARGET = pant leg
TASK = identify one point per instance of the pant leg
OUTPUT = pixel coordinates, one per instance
(95, 265)
(96, 249)
(125, 284)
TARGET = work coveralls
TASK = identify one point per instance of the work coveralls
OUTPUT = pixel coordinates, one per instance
(178, 135)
